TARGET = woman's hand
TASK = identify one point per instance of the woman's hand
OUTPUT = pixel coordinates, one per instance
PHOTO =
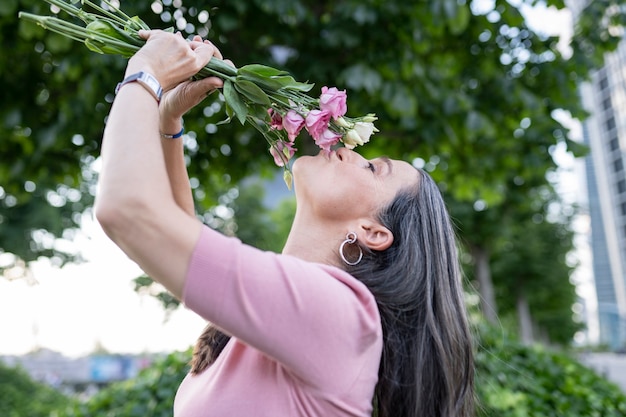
(169, 57)
(180, 99)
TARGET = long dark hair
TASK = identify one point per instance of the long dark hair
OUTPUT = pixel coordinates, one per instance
(427, 366)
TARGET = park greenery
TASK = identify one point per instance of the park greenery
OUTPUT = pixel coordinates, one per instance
(469, 92)
(513, 380)
(21, 396)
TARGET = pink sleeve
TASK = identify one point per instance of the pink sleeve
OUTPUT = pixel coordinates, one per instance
(316, 320)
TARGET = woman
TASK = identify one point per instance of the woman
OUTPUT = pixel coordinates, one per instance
(363, 309)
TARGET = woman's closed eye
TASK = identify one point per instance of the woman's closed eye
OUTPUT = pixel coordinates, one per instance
(371, 167)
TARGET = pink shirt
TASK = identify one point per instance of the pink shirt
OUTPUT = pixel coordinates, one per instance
(307, 337)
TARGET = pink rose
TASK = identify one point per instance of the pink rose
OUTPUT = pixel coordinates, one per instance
(327, 139)
(317, 122)
(276, 119)
(293, 123)
(334, 101)
(282, 152)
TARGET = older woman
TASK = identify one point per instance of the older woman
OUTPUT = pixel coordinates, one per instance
(362, 310)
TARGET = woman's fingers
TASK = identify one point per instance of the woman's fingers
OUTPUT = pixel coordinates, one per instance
(217, 52)
(170, 57)
(183, 97)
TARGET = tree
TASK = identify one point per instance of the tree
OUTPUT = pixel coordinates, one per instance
(21, 396)
(471, 92)
(532, 273)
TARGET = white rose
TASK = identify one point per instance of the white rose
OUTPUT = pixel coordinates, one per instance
(352, 139)
(364, 130)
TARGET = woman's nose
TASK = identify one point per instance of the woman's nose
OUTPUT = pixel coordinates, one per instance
(348, 155)
(345, 154)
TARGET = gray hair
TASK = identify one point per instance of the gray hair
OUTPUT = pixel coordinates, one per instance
(427, 366)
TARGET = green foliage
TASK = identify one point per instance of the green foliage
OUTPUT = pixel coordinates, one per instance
(50, 136)
(472, 94)
(519, 381)
(20, 396)
(529, 238)
(151, 393)
(512, 381)
(258, 226)
(532, 261)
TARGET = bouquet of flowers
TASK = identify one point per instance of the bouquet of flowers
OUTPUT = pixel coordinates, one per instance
(268, 99)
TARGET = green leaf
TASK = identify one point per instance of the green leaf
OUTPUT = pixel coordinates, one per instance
(234, 101)
(271, 78)
(107, 30)
(94, 45)
(258, 111)
(576, 148)
(295, 85)
(135, 23)
(252, 91)
(262, 71)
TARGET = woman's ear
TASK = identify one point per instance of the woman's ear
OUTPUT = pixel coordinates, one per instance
(375, 236)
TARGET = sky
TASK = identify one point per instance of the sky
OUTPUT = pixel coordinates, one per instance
(77, 308)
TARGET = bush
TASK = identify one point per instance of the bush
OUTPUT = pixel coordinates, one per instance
(512, 381)
(520, 381)
(21, 396)
(151, 393)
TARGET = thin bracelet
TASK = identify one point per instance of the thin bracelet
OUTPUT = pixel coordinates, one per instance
(174, 136)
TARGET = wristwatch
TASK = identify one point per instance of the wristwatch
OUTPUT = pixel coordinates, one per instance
(146, 80)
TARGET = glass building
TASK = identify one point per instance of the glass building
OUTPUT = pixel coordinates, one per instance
(604, 132)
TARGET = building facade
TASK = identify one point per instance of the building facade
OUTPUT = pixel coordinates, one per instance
(604, 132)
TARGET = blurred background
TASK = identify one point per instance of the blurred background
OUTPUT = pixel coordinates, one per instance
(516, 108)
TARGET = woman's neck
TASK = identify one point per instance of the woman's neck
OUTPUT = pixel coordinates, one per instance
(313, 242)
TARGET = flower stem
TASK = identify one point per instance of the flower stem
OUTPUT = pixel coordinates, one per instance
(218, 68)
(66, 7)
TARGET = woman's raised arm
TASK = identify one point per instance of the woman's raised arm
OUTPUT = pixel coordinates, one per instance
(135, 204)
(174, 104)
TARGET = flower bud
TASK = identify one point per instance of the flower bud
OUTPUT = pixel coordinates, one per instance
(369, 118)
(288, 178)
(352, 139)
(341, 122)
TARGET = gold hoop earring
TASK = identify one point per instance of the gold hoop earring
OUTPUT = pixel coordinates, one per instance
(350, 239)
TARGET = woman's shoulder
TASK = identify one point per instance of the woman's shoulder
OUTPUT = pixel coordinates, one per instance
(352, 283)
(342, 289)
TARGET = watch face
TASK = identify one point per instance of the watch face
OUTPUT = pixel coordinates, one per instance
(147, 80)
(152, 82)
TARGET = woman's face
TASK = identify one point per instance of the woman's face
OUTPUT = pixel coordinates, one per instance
(344, 185)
